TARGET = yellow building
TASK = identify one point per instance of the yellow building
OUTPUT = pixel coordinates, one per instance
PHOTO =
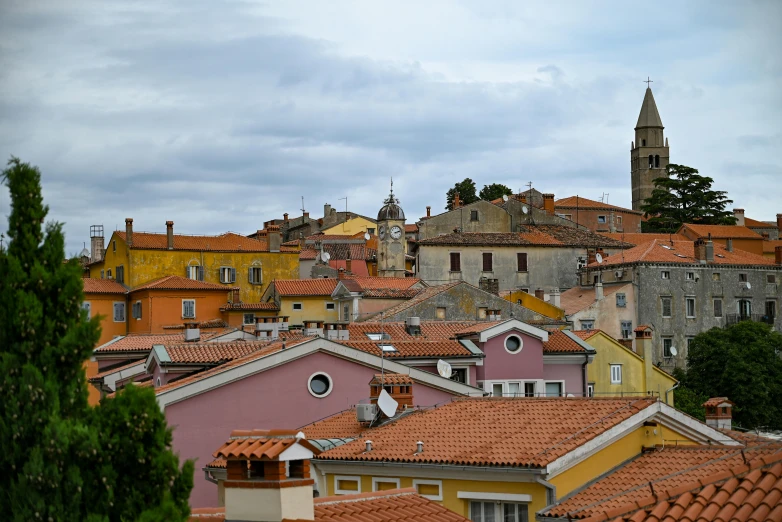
(355, 225)
(303, 300)
(540, 306)
(134, 258)
(498, 458)
(617, 370)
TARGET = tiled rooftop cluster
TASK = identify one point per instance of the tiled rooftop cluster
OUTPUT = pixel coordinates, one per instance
(530, 235)
(680, 252)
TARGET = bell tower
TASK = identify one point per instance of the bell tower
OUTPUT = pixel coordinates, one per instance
(649, 152)
(392, 244)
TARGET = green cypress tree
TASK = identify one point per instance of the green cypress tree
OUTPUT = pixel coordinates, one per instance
(64, 460)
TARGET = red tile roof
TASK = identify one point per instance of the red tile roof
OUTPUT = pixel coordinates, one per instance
(338, 426)
(430, 330)
(102, 286)
(741, 492)
(304, 287)
(770, 246)
(531, 235)
(719, 231)
(377, 283)
(209, 323)
(577, 298)
(144, 342)
(416, 348)
(581, 202)
(173, 282)
(637, 238)
(680, 252)
(396, 505)
(392, 378)
(477, 327)
(526, 432)
(227, 242)
(559, 342)
(250, 307)
(411, 227)
(260, 444)
(716, 401)
(212, 353)
(357, 266)
(754, 223)
(422, 296)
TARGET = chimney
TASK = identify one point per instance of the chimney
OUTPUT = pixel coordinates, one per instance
(540, 294)
(524, 199)
(326, 210)
(554, 298)
(709, 250)
(643, 347)
(274, 238)
(129, 231)
(349, 266)
(192, 333)
(235, 296)
(398, 386)
(700, 250)
(738, 213)
(285, 218)
(97, 247)
(599, 289)
(548, 204)
(729, 245)
(265, 485)
(306, 216)
(413, 326)
(778, 255)
(719, 413)
(340, 274)
(429, 212)
(456, 202)
(170, 234)
(779, 225)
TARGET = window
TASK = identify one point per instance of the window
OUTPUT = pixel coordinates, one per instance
(456, 262)
(651, 161)
(119, 312)
(493, 511)
(513, 344)
(188, 309)
(553, 389)
(227, 274)
(440, 312)
(715, 276)
(568, 216)
(459, 375)
(601, 219)
(384, 483)
(690, 306)
(135, 310)
(521, 261)
(745, 307)
(195, 273)
(581, 262)
(618, 220)
(121, 274)
(666, 306)
(621, 300)
(657, 161)
(248, 318)
(667, 345)
(114, 246)
(379, 336)
(643, 143)
(514, 389)
(370, 230)
(88, 307)
(627, 329)
(331, 306)
(255, 277)
(487, 262)
(771, 310)
(298, 306)
(319, 385)
(496, 389)
(108, 273)
(482, 313)
(689, 276)
(665, 274)
(587, 324)
(473, 215)
(718, 308)
(689, 343)
(771, 278)
(529, 389)
(616, 374)
(742, 278)
(591, 389)
(102, 274)
(346, 485)
(431, 489)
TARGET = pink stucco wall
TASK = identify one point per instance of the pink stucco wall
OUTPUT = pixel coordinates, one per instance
(572, 374)
(277, 398)
(499, 364)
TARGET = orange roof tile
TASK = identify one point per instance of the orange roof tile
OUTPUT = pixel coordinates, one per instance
(477, 327)
(411, 227)
(680, 252)
(250, 307)
(733, 491)
(396, 331)
(666, 468)
(260, 444)
(144, 342)
(716, 401)
(637, 238)
(209, 323)
(227, 242)
(212, 353)
(338, 426)
(207, 514)
(770, 246)
(559, 342)
(412, 348)
(754, 223)
(391, 378)
(304, 287)
(173, 282)
(719, 231)
(577, 298)
(102, 286)
(395, 505)
(531, 235)
(527, 432)
(357, 266)
(581, 202)
(377, 283)
(423, 295)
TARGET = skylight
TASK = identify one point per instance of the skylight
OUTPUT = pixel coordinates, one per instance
(387, 348)
(667, 247)
(378, 336)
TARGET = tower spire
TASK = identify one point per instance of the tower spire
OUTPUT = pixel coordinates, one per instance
(649, 117)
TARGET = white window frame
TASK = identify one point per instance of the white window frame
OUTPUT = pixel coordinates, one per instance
(602, 219)
(689, 276)
(665, 274)
(616, 373)
(378, 480)
(340, 478)
(124, 311)
(300, 307)
(562, 392)
(590, 321)
(488, 386)
(132, 311)
(183, 308)
(591, 389)
(624, 300)
(87, 305)
(629, 331)
(687, 300)
(332, 305)
(521, 344)
(429, 482)
(328, 392)
(662, 306)
(670, 356)
(244, 318)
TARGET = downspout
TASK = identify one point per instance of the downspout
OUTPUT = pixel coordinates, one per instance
(670, 390)
(551, 490)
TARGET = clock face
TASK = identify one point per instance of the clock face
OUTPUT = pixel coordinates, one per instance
(382, 232)
(396, 232)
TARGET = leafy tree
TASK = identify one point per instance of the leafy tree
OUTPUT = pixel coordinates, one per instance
(741, 362)
(466, 191)
(684, 196)
(688, 400)
(64, 460)
(494, 191)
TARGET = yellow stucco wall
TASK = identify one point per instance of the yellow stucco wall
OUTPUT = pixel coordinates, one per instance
(313, 309)
(352, 226)
(634, 372)
(528, 300)
(145, 265)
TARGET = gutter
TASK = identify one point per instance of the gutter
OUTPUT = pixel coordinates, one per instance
(208, 477)
(444, 467)
(670, 390)
(551, 491)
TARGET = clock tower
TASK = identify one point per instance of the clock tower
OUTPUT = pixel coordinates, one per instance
(392, 245)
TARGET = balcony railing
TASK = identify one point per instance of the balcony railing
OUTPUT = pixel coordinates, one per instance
(736, 318)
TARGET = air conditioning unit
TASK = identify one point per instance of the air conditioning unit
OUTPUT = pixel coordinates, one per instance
(366, 412)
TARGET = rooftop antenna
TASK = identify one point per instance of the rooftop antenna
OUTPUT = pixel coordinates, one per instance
(346, 212)
(302, 205)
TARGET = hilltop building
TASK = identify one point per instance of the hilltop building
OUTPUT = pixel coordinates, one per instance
(649, 153)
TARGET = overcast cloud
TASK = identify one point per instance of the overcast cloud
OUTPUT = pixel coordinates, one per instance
(221, 114)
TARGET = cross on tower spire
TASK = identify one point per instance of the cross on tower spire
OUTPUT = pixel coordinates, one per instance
(647, 81)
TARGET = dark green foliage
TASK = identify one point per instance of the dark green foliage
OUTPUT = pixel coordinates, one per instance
(684, 196)
(466, 191)
(62, 459)
(494, 191)
(687, 400)
(742, 363)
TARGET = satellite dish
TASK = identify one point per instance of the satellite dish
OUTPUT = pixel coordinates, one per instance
(599, 258)
(367, 236)
(325, 256)
(749, 286)
(570, 395)
(505, 197)
(444, 369)
(674, 351)
(387, 404)
(525, 210)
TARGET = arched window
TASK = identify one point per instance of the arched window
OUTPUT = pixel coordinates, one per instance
(651, 161)
(657, 161)
(643, 143)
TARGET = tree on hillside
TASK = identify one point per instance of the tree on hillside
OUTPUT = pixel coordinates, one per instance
(64, 460)
(684, 196)
(494, 191)
(466, 191)
(742, 362)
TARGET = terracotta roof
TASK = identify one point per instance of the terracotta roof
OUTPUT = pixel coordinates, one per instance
(642, 328)
(257, 307)
(391, 378)
(144, 342)
(666, 469)
(395, 505)
(716, 401)
(174, 282)
(526, 432)
(341, 425)
(581, 202)
(530, 235)
(305, 287)
(754, 223)
(477, 327)
(637, 238)
(739, 493)
(422, 296)
(412, 348)
(209, 323)
(720, 231)
(577, 298)
(218, 463)
(384, 283)
(391, 293)
(102, 286)
(559, 342)
(227, 242)
(430, 330)
(680, 252)
(99, 376)
(212, 353)
(260, 444)
(770, 246)
(358, 267)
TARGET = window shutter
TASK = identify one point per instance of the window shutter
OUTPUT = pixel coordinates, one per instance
(187, 272)
(223, 274)
(233, 275)
(521, 259)
(487, 258)
(456, 264)
(200, 273)
(250, 275)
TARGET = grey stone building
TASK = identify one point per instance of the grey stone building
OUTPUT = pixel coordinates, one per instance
(649, 153)
(683, 288)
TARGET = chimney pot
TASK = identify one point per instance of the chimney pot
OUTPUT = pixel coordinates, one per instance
(341, 274)
(738, 213)
(419, 447)
(429, 211)
(170, 234)
(349, 265)
(274, 238)
(285, 217)
(729, 245)
(598, 290)
(779, 225)
(129, 231)
(778, 255)
(368, 445)
(548, 203)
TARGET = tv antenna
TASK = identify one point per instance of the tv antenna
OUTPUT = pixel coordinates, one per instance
(346, 212)
(302, 205)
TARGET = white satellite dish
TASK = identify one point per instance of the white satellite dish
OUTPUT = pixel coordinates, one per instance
(387, 404)
(749, 286)
(367, 236)
(505, 197)
(444, 369)
(325, 256)
(525, 210)
(674, 351)
(599, 258)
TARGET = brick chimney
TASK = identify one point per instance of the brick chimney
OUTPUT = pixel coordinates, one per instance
(779, 225)
(643, 347)
(719, 412)
(285, 218)
(429, 212)
(340, 274)
(349, 265)
(778, 255)
(456, 201)
(129, 231)
(738, 213)
(170, 234)
(398, 386)
(700, 250)
(268, 476)
(548, 204)
(539, 293)
(274, 238)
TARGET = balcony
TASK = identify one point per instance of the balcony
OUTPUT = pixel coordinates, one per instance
(736, 318)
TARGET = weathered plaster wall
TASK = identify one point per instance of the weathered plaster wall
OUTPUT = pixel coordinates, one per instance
(491, 218)
(606, 314)
(161, 308)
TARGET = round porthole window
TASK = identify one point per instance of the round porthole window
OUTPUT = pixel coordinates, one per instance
(513, 344)
(319, 385)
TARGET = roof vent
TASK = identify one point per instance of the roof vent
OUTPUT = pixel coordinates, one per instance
(413, 326)
(419, 447)
(369, 445)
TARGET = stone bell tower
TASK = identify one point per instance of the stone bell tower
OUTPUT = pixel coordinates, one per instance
(392, 244)
(649, 152)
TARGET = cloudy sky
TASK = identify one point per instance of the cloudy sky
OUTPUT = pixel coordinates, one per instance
(221, 114)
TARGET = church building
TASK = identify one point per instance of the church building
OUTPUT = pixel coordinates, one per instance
(649, 152)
